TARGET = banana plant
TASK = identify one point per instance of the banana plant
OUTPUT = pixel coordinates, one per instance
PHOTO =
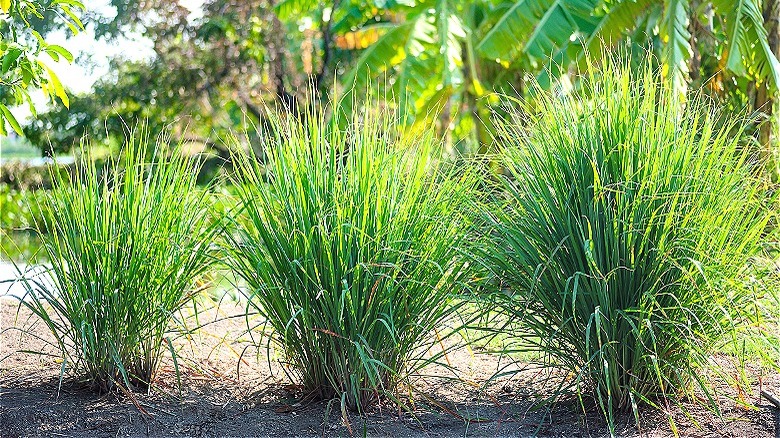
(423, 57)
(560, 32)
(443, 57)
(418, 59)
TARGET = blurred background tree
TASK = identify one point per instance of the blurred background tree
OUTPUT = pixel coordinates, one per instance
(218, 65)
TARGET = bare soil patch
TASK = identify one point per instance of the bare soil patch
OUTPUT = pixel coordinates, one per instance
(229, 388)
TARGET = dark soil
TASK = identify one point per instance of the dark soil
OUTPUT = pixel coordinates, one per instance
(220, 398)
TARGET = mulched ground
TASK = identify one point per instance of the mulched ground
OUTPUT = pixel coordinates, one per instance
(222, 398)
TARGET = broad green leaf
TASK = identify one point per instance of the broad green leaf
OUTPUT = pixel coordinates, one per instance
(389, 50)
(556, 28)
(55, 50)
(28, 75)
(72, 3)
(451, 33)
(736, 31)
(432, 104)
(399, 43)
(38, 36)
(676, 39)
(536, 28)
(346, 18)
(598, 30)
(9, 58)
(30, 105)
(425, 55)
(612, 25)
(287, 9)
(76, 25)
(7, 115)
(58, 88)
(417, 81)
(749, 53)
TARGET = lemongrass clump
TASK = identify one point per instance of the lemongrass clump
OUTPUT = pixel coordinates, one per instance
(126, 244)
(349, 243)
(628, 220)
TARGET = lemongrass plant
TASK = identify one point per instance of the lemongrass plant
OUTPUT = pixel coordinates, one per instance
(628, 221)
(127, 243)
(349, 243)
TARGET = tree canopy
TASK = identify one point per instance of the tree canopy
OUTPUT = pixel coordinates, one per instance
(24, 53)
(218, 69)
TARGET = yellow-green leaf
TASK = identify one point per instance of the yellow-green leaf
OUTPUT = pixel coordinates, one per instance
(55, 51)
(76, 24)
(58, 89)
(5, 5)
(6, 113)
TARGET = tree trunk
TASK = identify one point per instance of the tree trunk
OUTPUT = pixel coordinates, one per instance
(327, 43)
(276, 50)
(694, 28)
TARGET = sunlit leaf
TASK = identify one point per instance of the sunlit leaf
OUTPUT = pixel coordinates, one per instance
(58, 88)
(749, 53)
(59, 51)
(7, 115)
(675, 36)
(9, 58)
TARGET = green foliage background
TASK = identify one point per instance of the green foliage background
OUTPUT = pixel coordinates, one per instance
(440, 60)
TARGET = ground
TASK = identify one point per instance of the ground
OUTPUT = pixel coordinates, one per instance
(221, 398)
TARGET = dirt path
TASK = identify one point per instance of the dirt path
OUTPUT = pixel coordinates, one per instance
(220, 399)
